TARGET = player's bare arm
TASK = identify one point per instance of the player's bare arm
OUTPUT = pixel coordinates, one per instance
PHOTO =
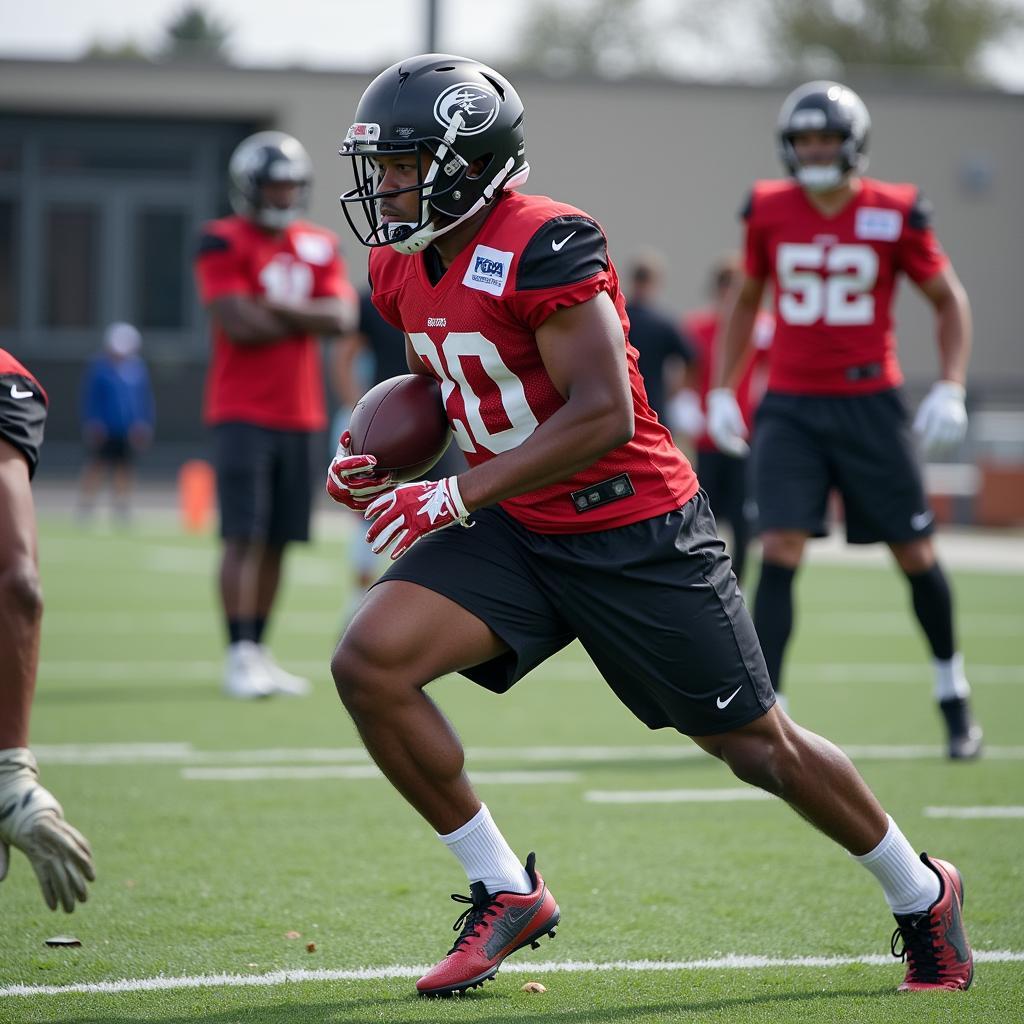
(248, 321)
(584, 352)
(737, 330)
(953, 328)
(328, 315)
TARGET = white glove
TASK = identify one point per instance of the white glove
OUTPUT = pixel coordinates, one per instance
(725, 422)
(684, 413)
(32, 820)
(941, 420)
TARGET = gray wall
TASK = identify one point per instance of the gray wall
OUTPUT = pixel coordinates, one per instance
(661, 165)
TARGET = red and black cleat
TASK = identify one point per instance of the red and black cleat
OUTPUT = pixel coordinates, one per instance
(494, 925)
(935, 944)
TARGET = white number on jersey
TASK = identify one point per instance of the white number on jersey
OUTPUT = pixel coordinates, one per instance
(474, 433)
(285, 279)
(834, 285)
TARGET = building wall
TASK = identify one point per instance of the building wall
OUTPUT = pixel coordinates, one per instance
(661, 165)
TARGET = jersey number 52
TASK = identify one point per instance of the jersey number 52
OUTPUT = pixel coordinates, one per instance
(833, 285)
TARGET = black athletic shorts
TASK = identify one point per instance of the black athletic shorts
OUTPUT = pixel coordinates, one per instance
(861, 445)
(115, 450)
(726, 481)
(22, 416)
(265, 481)
(655, 604)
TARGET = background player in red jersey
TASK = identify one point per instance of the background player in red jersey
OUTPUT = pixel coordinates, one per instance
(724, 476)
(271, 282)
(30, 817)
(833, 244)
(587, 521)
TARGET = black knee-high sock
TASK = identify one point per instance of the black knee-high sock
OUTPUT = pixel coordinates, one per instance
(933, 605)
(773, 616)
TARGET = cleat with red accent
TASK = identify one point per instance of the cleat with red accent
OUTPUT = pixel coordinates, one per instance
(935, 944)
(493, 926)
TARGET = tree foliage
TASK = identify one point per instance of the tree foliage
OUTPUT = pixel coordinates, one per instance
(194, 35)
(938, 35)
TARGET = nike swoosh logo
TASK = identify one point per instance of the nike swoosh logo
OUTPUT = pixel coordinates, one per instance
(509, 926)
(921, 520)
(16, 393)
(557, 246)
(723, 704)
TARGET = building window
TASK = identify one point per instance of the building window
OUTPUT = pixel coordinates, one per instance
(72, 233)
(8, 263)
(161, 266)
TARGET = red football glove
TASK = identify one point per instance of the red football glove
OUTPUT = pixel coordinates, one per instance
(351, 480)
(411, 511)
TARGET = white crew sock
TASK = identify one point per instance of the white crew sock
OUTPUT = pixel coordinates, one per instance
(950, 681)
(486, 857)
(909, 885)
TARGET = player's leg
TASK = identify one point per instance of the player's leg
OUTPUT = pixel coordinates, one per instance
(244, 468)
(691, 660)
(791, 480)
(122, 470)
(456, 602)
(932, 599)
(883, 491)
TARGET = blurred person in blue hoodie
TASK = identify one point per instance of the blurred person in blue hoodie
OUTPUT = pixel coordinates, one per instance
(117, 419)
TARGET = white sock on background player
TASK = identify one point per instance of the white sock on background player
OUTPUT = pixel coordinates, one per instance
(485, 856)
(908, 883)
(950, 681)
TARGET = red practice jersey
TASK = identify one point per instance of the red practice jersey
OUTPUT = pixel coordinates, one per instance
(275, 384)
(475, 331)
(702, 326)
(835, 279)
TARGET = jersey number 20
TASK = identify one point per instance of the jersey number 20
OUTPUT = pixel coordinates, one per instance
(834, 285)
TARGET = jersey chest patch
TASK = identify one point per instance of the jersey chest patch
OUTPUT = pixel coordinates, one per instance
(878, 225)
(488, 270)
(315, 249)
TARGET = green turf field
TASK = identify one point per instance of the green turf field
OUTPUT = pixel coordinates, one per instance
(219, 828)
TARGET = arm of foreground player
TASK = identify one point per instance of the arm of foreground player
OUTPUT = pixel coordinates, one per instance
(941, 419)
(724, 419)
(584, 352)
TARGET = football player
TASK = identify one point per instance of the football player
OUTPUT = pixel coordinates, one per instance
(587, 521)
(31, 819)
(272, 283)
(833, 244)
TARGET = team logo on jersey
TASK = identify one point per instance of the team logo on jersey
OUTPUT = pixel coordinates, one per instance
(488, 270)
(878, 225)
(476, 105)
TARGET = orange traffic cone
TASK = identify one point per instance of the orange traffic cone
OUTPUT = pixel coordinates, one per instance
(197, 486)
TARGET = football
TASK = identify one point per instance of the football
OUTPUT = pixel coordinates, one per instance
(402, 423)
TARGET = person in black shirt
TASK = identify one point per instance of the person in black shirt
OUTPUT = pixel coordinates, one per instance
(664, 350)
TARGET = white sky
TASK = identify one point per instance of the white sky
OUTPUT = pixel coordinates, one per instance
(345, 34)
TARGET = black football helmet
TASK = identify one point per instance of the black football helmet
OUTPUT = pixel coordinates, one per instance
(450, 112)
(824, 107)
(259, 160)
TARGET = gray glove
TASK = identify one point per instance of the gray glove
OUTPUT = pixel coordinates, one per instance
(33, 821)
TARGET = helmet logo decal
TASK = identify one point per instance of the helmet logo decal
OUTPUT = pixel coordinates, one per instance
(477, 105)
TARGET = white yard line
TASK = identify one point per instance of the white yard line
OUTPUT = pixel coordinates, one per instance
(85, 754)
(974, 812)
(731, 962)
(672, 796)
(361, 771)
(886, 673)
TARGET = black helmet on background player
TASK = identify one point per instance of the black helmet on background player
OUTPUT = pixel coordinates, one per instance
(824, 107)
(264, 159)
(450, 112)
